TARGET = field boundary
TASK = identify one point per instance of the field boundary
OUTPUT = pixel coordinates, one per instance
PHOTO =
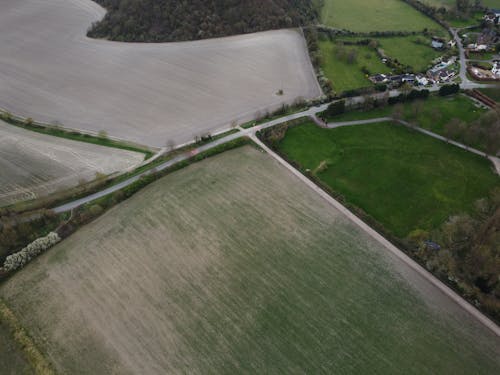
(383, 241)
(77, 135)
(34, 357)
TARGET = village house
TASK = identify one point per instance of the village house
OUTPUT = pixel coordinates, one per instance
(437, 43)
(492, 16)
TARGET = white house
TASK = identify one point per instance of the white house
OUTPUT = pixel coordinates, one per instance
(437, 44)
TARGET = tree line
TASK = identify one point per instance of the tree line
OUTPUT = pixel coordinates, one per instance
(169, 20)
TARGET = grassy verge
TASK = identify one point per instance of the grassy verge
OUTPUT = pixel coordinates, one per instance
(39, 364)
(74, 135)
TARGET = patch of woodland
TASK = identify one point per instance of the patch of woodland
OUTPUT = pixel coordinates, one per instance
(170, 20)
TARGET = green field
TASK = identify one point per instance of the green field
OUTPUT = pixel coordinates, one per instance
(438, 111)
(345, 75)
(403, 179)
(376, 15)
(433, 113)
(233, 265)
(408, 52)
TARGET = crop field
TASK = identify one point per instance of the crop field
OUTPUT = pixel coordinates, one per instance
(376, 15)
(12, 360)
(147, 93)
(34, 164)
(233, 265)
(403, 179)
(346, 75)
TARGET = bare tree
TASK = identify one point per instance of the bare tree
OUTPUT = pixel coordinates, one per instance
(170, 144)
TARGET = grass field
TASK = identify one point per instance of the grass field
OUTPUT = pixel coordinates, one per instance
(433, 115)
(345, 75)
(403, 179)
(376, 15)
(439, 111)
(233, 265)
(408, 52)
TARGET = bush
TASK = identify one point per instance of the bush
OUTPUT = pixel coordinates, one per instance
(336, 108)
(449, 90)
(21, 258)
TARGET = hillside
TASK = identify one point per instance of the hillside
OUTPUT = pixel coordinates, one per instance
(169, 20)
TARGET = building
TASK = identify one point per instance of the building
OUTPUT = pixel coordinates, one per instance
(437, 44)
(379, 78)
(492, 16)
(422, 80)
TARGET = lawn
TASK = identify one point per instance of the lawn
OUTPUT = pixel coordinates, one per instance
(376, 15)
(233, 265)
(403, 179)
(345, 75)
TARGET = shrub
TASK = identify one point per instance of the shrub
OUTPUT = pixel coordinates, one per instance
(449, 90)
(21, 258)
(336, 108)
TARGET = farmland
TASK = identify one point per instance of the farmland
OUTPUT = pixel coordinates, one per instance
(146, 93)
(34, 164)
(232, 265)
(375, 15)
(404, 180)
(12, 361)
